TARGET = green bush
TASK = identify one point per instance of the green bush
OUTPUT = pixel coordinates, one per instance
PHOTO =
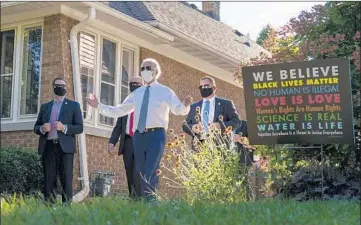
(20, 171)
(212, 173)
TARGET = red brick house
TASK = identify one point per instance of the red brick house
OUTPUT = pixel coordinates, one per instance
(112, 39)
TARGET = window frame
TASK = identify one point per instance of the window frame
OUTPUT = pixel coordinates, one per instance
(26, 116)
(95, 71)
(19, 28)
(120, 45)
(13, 76)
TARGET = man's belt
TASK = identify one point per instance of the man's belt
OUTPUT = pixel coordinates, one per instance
(147, 130)
(54, 141)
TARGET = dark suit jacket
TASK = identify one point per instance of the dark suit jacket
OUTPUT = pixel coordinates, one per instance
(223, 107)
(246, 155)
(119, 132)
(70, 115)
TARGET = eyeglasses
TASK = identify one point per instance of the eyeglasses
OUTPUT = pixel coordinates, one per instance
(59, 85)
(135, 84)
(149, 68)
(204, 86)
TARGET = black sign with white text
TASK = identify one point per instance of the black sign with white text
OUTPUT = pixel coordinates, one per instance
(300, 102)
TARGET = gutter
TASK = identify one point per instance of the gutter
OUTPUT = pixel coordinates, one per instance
(84, 175)
(131, 21)
(6, 4)
(194, 41)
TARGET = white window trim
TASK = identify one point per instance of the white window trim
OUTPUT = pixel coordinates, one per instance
(19, 28)
(14, 72)
(93, 126)
(22, 67)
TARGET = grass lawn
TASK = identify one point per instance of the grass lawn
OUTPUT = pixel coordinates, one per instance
(111, 211)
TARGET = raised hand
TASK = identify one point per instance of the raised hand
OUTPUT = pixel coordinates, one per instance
(188, 100)
(93, 102)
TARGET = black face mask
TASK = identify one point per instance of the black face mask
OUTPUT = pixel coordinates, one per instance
(59, 90)
(134, 86)
(206, 92)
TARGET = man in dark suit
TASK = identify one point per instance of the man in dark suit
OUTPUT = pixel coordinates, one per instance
(58, 122)
(124, 130)
(246, 151)
(210, 111)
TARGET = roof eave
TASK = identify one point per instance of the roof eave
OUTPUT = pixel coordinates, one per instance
(192, 40)
(130, 20)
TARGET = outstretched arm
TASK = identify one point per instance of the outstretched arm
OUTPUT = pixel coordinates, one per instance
(176, 106)
(114, 111)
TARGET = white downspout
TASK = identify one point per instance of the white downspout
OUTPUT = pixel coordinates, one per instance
(84, 175)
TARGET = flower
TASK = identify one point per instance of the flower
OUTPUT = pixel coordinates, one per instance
(168, 145)
(198, 108)
(175, 137)
(197, 128)
(184, 122)
(220, 117)
(159, 172)
(161, 165)
(176, 144)
(177, 164)
(168, 157)
(196, 118)
(171, 131)
(182, 136)
(228, 130)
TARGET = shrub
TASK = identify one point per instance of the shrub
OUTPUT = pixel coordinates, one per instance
(303, 174)
(20, 171)
(211, 173)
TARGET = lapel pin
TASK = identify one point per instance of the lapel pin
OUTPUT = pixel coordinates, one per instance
(219, 103)
(66, 103)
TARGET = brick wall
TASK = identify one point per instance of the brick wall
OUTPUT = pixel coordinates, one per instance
(57, 62)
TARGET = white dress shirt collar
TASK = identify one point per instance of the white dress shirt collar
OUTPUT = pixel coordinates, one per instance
(153, 83)
(210, 100)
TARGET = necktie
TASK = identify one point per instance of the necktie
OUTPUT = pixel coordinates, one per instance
(143, 111)
(131, 122)
(53, 118)
(205, 115)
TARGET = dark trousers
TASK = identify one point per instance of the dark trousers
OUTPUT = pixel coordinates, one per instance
(57, 163)
(148, 151)
(246, 156)
(129, 164)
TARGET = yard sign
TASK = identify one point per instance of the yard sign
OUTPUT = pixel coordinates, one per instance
(299, 102)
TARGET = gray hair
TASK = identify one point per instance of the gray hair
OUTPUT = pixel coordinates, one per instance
(157, 66)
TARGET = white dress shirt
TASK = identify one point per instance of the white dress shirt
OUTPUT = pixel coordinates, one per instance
(161, 100)
(212, 106)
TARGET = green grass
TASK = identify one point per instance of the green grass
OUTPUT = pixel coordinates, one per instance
(111, 211)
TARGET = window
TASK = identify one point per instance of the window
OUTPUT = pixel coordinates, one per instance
(127, 71)
(87, 54)
(30, 76)
(20, 71)
(106, 66)
(107, 85)
(7, 71)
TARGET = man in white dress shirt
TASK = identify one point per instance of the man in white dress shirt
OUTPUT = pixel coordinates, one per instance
(151, 105)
